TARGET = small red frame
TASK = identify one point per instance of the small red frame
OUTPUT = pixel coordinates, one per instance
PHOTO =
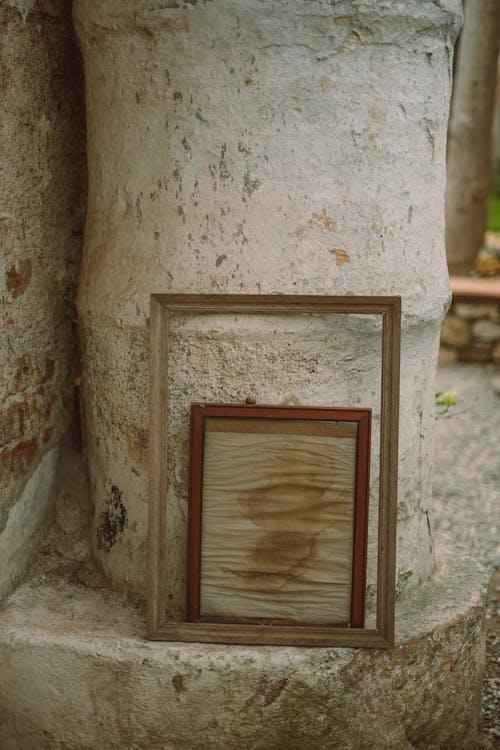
(201, 412)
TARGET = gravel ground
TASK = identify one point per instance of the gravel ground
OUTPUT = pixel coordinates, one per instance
(467, 493)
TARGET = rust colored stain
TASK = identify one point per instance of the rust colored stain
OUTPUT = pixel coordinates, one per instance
(12, 423)
(24, 416)
(178, 683)
(15, 461)
(50, 367)
(6, 79)
(321, 220)
(280, 556)
(324, 81)
(23, 371)
(18, 279)
(341, 256)
(47, 435)
(317, 221)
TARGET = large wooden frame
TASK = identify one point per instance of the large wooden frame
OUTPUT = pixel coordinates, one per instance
(159, 627)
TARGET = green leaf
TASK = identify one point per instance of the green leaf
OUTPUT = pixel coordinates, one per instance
(446, 399)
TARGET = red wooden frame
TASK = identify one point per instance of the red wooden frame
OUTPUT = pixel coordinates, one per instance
(200, 412)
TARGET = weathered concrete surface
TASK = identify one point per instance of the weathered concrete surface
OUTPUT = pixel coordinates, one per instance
(248, 147)
(41, 207)
(26, 522)
(77, 674)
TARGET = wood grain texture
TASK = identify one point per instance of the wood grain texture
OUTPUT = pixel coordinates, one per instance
(277, 520)
(387, 528)
(284, 635)
(157, 448)
(276, 303)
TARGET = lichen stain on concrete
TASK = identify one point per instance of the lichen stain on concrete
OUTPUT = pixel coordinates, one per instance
(377, 110)
(245, 150)
(17, 280)
(239, 235)
(224, 173)
(249, 185)
(270, 690)
(200, 117)
(341, 256)
(113, 521)
(138, 209)
(324, 81)
(220, 259)
(403, 577)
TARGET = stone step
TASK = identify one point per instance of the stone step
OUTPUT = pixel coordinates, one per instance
(78, 674)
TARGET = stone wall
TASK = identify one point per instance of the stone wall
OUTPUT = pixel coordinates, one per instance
(41, 225)
(471, 333)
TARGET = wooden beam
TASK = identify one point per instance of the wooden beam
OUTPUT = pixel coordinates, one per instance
(475, 290)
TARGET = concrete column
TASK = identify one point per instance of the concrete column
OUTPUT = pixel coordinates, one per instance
(284, 147)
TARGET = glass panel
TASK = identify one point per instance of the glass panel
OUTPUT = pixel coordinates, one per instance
(277, 520)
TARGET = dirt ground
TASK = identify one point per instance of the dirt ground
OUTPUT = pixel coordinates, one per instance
(466, 497)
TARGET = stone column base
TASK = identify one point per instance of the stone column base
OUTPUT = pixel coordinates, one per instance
(78, 674)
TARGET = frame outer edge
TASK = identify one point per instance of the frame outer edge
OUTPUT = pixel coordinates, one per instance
(389, 470)
(390, 309)
(157, 448)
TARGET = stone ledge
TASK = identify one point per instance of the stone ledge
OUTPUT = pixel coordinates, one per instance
(78, 674)
(471, 330)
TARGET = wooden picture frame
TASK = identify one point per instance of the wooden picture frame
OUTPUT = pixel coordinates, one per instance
(160, 627)
(314, 462)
